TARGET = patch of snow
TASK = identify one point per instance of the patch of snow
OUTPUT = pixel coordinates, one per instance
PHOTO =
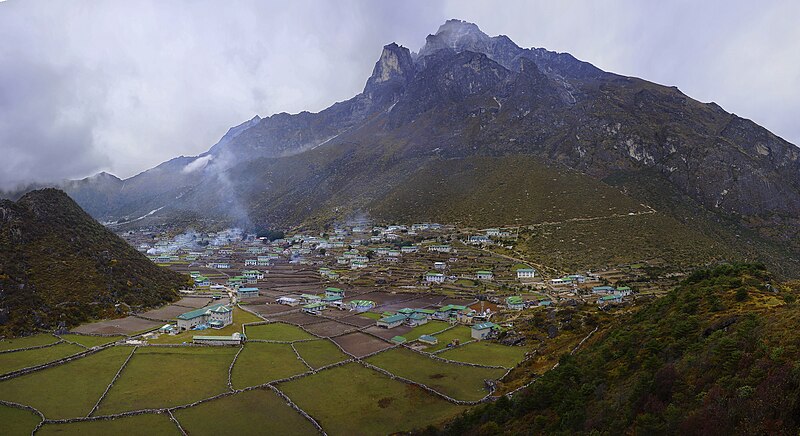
(328, 140)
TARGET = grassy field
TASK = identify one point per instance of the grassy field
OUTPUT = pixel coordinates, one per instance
(239, 317)
(23, 359)
(164, 377)
(487, 353)
(91, 341)
(372, 315)
(68, 390)
(277, 331)
(255, 412)
(462, 333)
(144, 425)
(457, 381)
(261, 363)
(425, 329)
(17, 421)
(352, 399)
(27, 341)
(602, 243)
(320, 353)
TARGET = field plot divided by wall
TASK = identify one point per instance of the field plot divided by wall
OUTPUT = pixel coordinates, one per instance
(27, 342)
(69, 390)
(123, 326)
(320, 353)
(27, 358)
(260, 363)
(460, 332)
(17, 421)
(255, 412)
(487, 353)
(360, 344)
(144, 425)
(456, 381)
(164, 377)
(276, 331)
(352, 399)
(91, 341)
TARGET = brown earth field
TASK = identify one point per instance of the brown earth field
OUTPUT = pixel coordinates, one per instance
(360, 344)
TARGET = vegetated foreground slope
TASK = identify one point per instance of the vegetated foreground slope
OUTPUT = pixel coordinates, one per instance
(57, 264)
(717, 355)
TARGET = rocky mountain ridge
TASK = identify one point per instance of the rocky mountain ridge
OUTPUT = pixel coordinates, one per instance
(465, 95)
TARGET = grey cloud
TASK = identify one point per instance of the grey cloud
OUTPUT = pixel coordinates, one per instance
(121, 86)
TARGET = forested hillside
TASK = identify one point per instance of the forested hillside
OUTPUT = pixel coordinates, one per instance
(57, 264)
(718, 355)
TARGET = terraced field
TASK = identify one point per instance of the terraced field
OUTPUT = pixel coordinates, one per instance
(289, 386)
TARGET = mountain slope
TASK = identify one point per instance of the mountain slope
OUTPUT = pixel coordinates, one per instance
(466, 95)
(59, 265)
(715, 356)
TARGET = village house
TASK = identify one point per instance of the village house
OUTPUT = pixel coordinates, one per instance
(358, 264)
(252, 276)
(334, 292)
(288, 301)
(603, 290)
(216, 316)
(624, 291)
(409, 249)
(484, 275)
(390, 322)
(439, 265)
(251, 262)
(314, 308)
(433, 277)
(428, 339)
(440, 248)
(515, 303)
(479, 239)
(485, 330)
(244, 293)
(416, 319)
(219, 265)
(308, 298)
(493, 232)
(361, 305)
(606, 299)
(445, 312)
(526, 273)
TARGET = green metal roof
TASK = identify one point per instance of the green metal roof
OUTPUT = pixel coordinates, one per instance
(198, 312)
(332, 298)
(428, 339)
(399, 339)
(484, 326)
(393, 318)
(313, 306)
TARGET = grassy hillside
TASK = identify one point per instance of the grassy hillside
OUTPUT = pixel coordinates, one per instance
(59, 265)
(717, 355)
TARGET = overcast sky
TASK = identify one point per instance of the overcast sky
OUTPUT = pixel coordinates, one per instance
(89, 86)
